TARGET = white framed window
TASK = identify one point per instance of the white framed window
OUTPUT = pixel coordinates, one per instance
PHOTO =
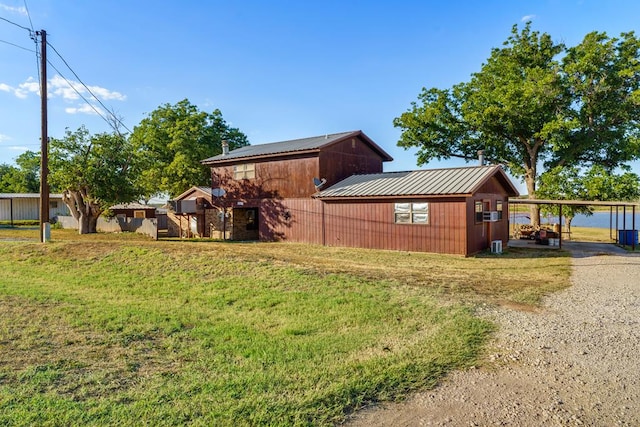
(411, 213)
(244, 171)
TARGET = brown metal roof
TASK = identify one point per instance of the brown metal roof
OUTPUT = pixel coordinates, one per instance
(431, 182)
(132, 206)
(292, 147)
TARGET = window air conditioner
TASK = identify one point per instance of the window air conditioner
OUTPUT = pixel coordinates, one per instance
(490, 216)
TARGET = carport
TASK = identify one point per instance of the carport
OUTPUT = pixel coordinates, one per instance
(611, 205)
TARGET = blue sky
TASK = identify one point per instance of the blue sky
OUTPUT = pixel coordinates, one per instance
(276, 69)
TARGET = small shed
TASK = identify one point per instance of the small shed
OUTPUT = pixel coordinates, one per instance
(133, 210)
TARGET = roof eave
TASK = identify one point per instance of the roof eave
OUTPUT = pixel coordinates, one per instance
(383, 154)
(225, 162)
(512, 191)
(392, 197)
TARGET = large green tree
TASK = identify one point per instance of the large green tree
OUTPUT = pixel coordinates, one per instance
(93, 172)
(172, 141)
(23, 178)
(536, 104)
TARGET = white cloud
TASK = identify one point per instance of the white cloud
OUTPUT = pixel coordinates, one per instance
(18, 148)
(30, 86)
(19, 10)
(84, 109)
(68, 90)
(71, 90)
(527, 18)
(107, 94)
(4, 138)
(21, 91)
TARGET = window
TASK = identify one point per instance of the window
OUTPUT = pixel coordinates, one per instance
(499, 208)
(411, 213)
(244, 171)
(478, 210)
(53, 204)
(138, 214)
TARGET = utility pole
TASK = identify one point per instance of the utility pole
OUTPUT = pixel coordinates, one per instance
(45, 230)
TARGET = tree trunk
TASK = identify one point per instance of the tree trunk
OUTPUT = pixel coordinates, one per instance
(567, 223)
(83, 224)
(83, 210)
(534, 210)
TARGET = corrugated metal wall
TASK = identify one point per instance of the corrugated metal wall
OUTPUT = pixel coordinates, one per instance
(28, 208)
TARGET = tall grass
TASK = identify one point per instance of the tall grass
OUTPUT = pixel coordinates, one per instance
(134, 332)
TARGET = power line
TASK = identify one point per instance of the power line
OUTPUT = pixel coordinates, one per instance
(35, 41)
(18, 46)
(79, 93)
(116, 120)
(28, 15)
(17, 25)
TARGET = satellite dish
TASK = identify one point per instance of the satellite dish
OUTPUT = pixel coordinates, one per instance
(319, 182)
(218, 192)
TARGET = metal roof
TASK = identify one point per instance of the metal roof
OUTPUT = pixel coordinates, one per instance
(292, 146)
(27, 195)
(190, 191)
(132, 206)
(431, 182)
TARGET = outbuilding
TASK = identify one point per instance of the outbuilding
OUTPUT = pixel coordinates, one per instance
(26, 206)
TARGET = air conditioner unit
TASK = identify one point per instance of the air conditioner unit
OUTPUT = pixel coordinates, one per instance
(496, 246)
(490, 216)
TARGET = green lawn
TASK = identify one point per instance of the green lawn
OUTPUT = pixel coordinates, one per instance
(120, 330)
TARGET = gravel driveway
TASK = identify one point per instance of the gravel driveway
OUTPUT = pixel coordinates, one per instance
(574, 362)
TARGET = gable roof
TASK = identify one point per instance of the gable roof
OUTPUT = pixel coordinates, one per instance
(295, 146)
(206, 192)
(430, 182)
(132, 206)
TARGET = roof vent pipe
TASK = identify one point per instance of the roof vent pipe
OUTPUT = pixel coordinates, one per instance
(225, 147)
(481, 157)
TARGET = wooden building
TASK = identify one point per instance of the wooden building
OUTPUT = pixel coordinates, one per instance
(331, 190)
(454, 210)
(192, 215)
(133, 210)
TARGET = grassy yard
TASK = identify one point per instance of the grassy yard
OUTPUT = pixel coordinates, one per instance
(120, 330)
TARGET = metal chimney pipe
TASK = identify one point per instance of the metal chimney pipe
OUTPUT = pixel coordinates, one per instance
(225, 147)
(481, 157)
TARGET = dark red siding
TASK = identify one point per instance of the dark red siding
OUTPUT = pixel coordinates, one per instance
(288, 178)
(371, 225)
(346, 158)
(481, 234)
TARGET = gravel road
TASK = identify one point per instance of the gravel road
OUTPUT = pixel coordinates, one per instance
(575, 362)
